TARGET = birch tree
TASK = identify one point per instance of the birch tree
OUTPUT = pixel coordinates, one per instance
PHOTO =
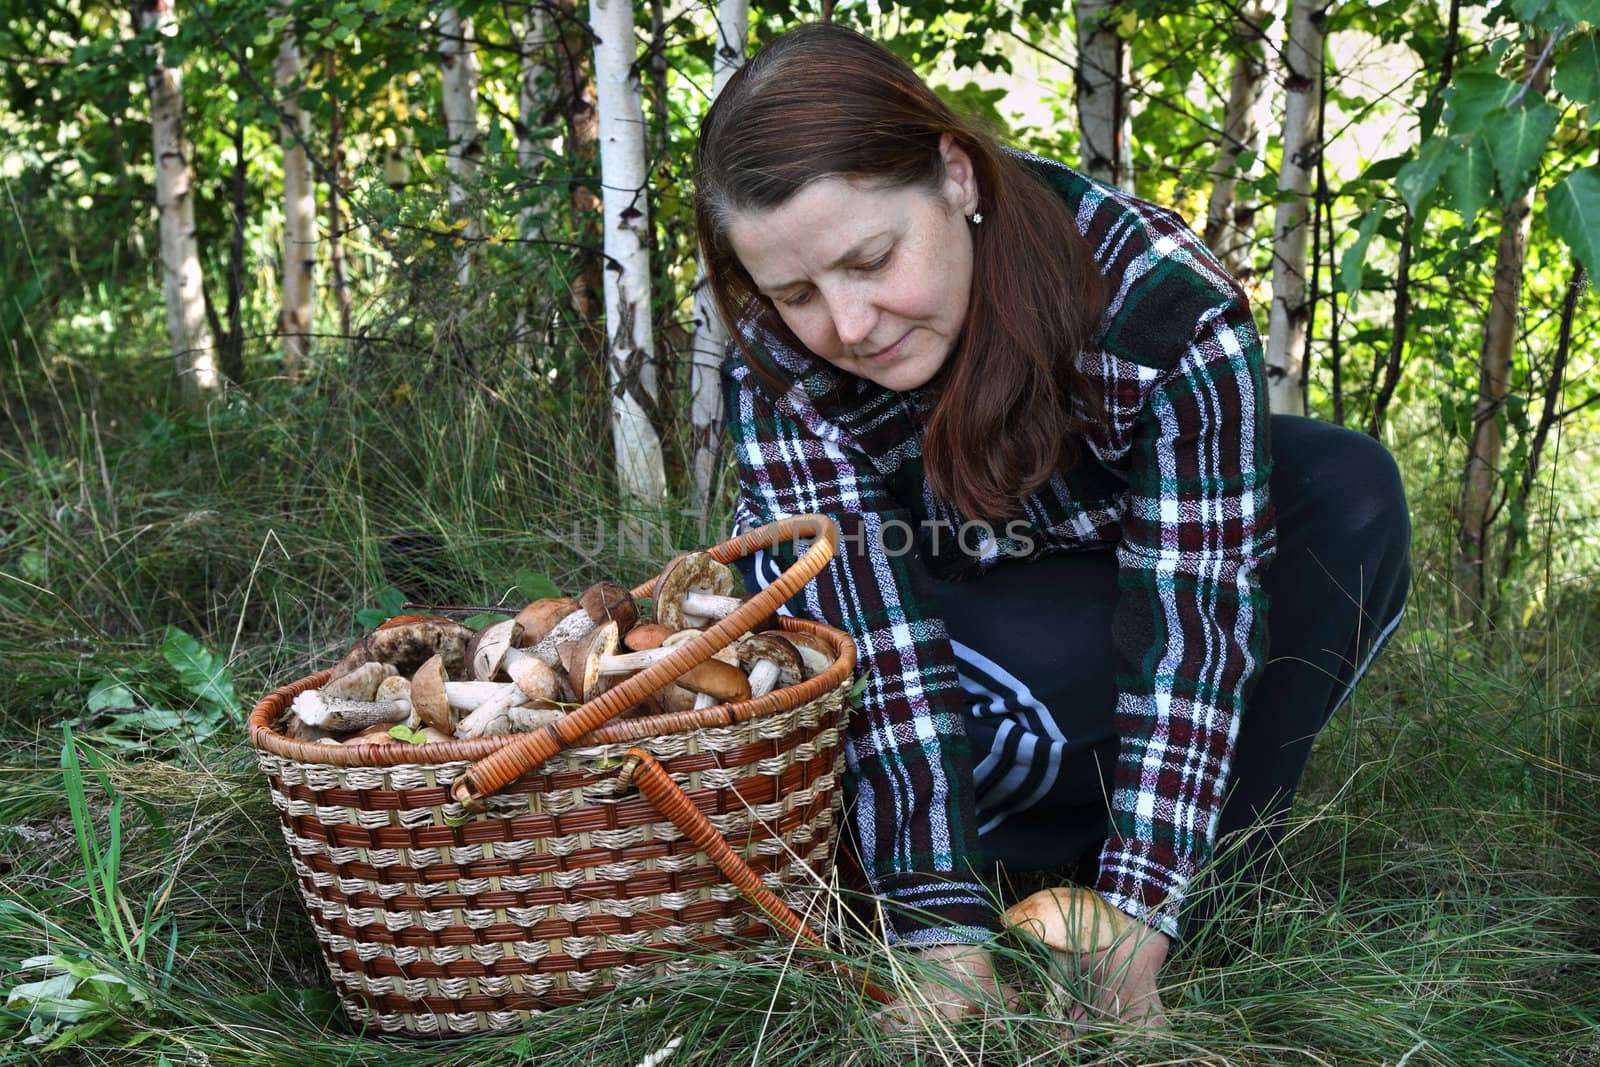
(1102, 94)
(1286, 320)
(459, 59)
(532, 150)
(299, 208)
(626, 214)
(1230, 222)
(193, 350)
(710, 332)
(1482, 473)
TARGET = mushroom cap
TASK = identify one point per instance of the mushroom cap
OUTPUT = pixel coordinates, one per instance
(585, 669)
(428, 697)
(772, 647)
(715, 678)
(394, 687)
(1070, 919)
(679, 637)
(406, 644)
(488, 647)
(535, 680)
(816, 655)
(692, 571)
(610, 601)
(645, 636)
(541, 616)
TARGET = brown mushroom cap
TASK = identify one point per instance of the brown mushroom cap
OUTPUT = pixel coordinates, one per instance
(541, 616)
(610, 601)
(584, 671)
(1070, 919)
(645, 636)
(407, 644)
(692, 571)
(428, 697)
(535, 680)
(772, 648)
(717, 679)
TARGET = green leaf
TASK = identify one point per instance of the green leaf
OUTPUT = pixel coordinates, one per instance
(1355, 256)
(536, 586)
(1475, 94)
(1417, 178)
(110, 693)
(202, 672)
(1577, 76)
(1469, 177)
(1580, 10)
(1516, 141)
(484, 618)
(1573, 208)
(1383, 169)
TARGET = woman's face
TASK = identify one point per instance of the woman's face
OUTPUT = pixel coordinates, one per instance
(873, 279)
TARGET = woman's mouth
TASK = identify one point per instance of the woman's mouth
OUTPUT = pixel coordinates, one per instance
(888, 351)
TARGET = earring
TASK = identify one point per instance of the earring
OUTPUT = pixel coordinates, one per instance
(976, 218)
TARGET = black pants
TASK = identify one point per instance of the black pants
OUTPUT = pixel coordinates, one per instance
(1040, 712)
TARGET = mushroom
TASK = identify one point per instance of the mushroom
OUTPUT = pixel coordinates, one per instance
(494, 652)
(344, 716)
(536, 684)
(1070, 919)
(632, 662)
(816, 655)
(715, 682)
(645, 636)
(599, 603)
(374, 735)
(408, 645)
(694, 590)
(583, 667)
(434, 697)
(541, 616)
(361, 683)
(770, 662)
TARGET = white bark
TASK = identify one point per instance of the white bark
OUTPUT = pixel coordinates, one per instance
(629, 344)
(710, 340)
(194, 355)
(1286, 321)
(299, 210)
(1230, 223)
(1102, 90)
(532, 150)
(460, 78)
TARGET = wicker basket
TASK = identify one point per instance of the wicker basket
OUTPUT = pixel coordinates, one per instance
(437, 918)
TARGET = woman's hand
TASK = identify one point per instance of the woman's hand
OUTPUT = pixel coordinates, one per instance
(945, 983)
(1123, 978)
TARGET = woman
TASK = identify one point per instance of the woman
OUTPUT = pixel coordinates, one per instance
(1034, 405)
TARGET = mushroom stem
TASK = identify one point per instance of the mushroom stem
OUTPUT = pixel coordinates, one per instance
(341, 716)
(763, 678)
(709, 605)
(574, 626)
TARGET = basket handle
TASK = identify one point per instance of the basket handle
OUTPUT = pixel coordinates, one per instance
(642, 769)
(494, 772)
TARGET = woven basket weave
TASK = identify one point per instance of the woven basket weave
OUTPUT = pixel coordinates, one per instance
(435, 921)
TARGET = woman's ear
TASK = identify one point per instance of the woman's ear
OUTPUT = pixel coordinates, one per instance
(960, 188)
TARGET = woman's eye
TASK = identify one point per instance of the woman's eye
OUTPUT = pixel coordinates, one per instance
(879, 263)
(798, 299)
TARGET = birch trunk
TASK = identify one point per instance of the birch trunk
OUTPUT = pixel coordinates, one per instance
(1286, 321)
(459, 59)
(1230, 223)
(626, 214)
(336, 259)
(299, 209)
(577, 96)
(532, 151)
(1102, 95)
(710, 332)
(194, 357)
(1482, 471)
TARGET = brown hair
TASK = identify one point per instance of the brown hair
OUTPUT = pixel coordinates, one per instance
(824, 101)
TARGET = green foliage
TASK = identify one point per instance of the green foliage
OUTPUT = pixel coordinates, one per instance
(1574, 213)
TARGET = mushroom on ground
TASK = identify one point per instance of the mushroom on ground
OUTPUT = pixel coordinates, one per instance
(1070, 919)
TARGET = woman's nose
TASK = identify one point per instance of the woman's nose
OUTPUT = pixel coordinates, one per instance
(853, 317)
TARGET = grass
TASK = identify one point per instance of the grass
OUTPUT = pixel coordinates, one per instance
(1438, 900)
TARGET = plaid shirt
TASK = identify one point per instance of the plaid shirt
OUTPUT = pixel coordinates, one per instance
(1177, 483)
